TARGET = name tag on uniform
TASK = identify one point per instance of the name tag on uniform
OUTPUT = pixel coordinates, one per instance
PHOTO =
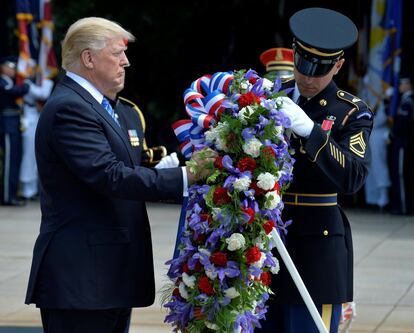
(133, 137)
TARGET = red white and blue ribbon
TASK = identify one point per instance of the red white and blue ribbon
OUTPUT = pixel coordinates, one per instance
(203, 104)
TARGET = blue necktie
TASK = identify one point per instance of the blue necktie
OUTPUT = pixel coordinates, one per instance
(105, 103)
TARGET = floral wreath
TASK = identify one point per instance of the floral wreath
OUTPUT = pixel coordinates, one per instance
(221, 276)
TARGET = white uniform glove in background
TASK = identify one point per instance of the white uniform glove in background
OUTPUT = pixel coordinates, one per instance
(301, 124)
(169, 161)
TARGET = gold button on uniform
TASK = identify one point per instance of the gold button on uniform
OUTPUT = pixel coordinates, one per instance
(323, 102)
(325, 232)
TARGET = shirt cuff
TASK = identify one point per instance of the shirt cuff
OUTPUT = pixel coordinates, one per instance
(185, 182)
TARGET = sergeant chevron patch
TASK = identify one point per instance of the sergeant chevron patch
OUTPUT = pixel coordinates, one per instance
(357, 144)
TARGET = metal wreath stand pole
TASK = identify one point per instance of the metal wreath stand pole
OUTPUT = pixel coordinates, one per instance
(298, 282)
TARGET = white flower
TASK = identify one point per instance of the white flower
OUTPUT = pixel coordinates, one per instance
(211, 273)
(211, 326)
(275, 269)
(188, 280)
(183, 291)
(267, 84)
(266, 181)
(242, 184)
(260, 262)
(252, 147)
(244, 85)
(279, 102)
(235, 242)
(244, 114)
(231, 293)
(272, 200)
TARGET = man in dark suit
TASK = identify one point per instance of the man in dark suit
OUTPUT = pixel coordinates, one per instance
(331, 130)
(92, 260)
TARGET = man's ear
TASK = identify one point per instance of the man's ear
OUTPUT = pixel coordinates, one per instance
(338, 65)
(87, 59)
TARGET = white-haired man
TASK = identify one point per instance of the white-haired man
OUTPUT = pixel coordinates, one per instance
(92, 260)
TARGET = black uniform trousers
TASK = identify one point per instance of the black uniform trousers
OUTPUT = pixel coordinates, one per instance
(85, 321)
(11, 147)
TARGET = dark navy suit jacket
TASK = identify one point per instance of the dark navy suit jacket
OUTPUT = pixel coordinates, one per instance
(94, 248)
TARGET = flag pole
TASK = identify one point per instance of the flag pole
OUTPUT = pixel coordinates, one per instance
(298, 282)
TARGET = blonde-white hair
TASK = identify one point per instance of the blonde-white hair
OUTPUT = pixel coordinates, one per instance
(89, 33)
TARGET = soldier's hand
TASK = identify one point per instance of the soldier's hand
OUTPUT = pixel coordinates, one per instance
(301, 124)
(201, 165)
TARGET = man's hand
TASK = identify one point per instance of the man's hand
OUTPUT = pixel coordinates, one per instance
(301, 124)
(201, 165)
(169, 161)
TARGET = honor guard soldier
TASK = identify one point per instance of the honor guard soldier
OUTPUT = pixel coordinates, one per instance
(278, 62)
(330, 132)
(10, 135)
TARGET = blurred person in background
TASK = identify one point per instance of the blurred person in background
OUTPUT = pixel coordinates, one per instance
(402, 150)
(31, 108)
(278, 62)
(378, 181)
(10, 131)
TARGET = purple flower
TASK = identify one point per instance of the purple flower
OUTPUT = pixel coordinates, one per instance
(248, 133)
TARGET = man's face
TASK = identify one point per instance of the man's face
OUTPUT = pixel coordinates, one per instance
(311, 86)
(109, 67)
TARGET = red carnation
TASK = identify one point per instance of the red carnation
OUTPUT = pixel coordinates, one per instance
(205, 286)
(268, 226)
(266, 278)
(218, 162)
(252, 80)
(219, 258)
(220, 196)
(246, 164)
(248, 99)
(268, 151)
(276, 187)
(206, 217)
(257, 190)
(253, 254)
(249, 211)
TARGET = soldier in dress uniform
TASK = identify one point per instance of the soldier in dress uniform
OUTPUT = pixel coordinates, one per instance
(10, 135)
(278, 62)
(330, 132)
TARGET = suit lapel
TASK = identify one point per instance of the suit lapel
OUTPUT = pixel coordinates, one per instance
(98, 108)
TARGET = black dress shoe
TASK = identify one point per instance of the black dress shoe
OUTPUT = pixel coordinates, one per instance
(15, 202)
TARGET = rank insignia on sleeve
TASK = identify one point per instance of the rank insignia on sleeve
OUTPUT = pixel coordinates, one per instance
(133, 137)
(357, 144)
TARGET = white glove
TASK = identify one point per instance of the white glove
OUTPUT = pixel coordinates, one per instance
(301, 124)
(169, 161)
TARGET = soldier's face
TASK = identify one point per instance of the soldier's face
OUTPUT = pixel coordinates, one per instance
(311, 86)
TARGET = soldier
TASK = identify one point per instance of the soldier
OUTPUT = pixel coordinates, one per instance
(330, 129)
(10, 135)
(278, 62)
